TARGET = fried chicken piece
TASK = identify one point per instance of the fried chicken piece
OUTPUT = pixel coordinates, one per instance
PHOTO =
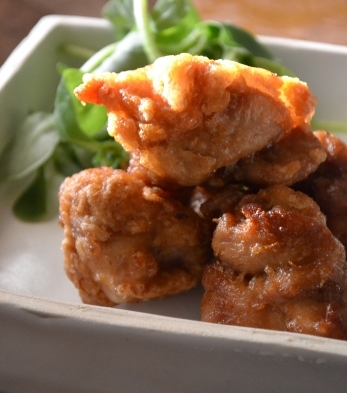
(278, 267)
(186, 116)
(271, 228)
(328, 185)
(125, 241)
(286, 161)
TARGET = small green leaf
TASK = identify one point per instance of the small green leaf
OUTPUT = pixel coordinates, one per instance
(64, 115)
(172, 13)
(66, 160)
(89, 118)
(112, 154)
(176, 27)
(39, 202)
(121, 14)
(32, 145)
(247, 40)
(31, 205)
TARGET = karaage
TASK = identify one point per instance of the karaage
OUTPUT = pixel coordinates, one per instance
(278, 267)
(126, 241)
(186, 116)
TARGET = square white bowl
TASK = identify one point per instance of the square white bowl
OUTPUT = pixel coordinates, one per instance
(50, 342)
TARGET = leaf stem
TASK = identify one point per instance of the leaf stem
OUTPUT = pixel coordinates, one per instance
(329, 125)
(91, 146)
(76, 51)
(94, 61)
(142, 21)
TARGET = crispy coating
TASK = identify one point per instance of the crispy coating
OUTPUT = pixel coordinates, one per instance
(286, 161)
(125, 241)
(278, 267)
(328, 185)
(186, 116)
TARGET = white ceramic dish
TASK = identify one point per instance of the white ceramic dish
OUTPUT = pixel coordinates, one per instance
(50, 342)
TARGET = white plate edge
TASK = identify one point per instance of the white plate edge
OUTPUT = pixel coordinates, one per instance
(46, 308)
(95, 314)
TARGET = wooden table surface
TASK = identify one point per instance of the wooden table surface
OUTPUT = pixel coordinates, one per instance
(317, 20)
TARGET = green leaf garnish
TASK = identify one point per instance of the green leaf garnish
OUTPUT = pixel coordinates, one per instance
(48, 147)
(32, 145)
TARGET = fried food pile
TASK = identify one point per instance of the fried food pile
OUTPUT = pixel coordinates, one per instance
(227, 184)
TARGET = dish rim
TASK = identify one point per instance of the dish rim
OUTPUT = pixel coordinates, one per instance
(90, 314)
(47, 308)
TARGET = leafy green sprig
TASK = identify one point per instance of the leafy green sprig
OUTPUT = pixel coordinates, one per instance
(50, 146)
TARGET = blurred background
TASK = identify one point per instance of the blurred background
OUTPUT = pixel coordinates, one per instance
(316, 20)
